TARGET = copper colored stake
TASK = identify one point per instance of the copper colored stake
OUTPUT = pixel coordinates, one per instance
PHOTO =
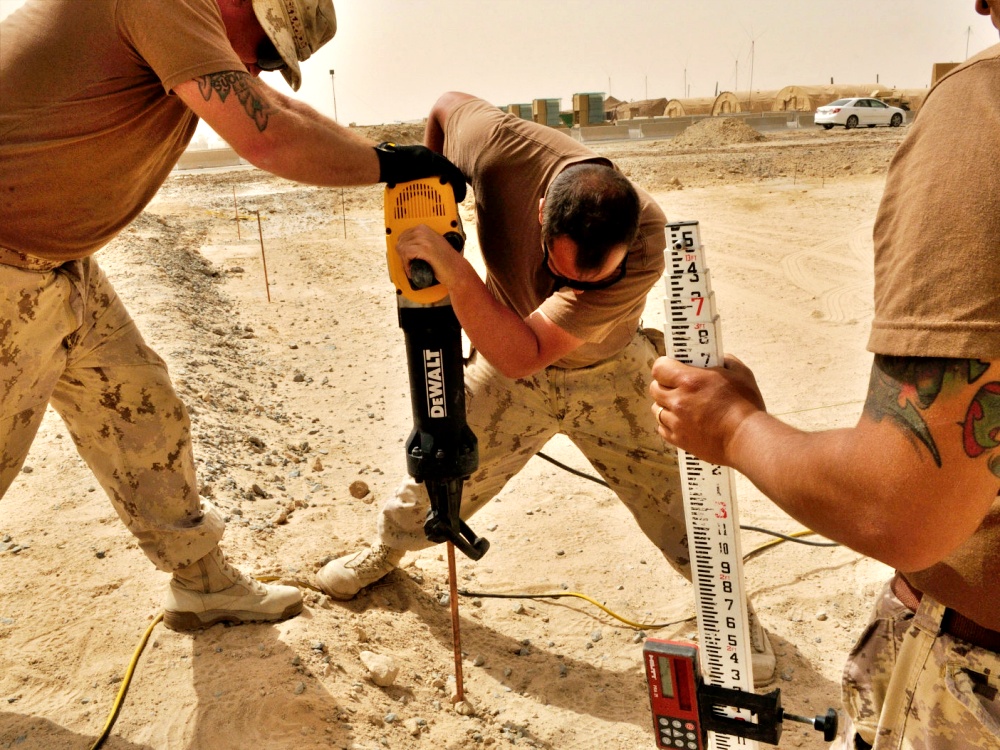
(236, 210)
(455, 634)
(267, 285)
(343, 211)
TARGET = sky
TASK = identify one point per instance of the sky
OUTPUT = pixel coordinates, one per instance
(393, 58)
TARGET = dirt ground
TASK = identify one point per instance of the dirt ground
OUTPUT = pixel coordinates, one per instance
(296, 398)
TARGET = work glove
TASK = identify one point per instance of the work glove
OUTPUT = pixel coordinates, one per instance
(398, 164)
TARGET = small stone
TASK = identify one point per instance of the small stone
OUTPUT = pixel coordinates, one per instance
(358, 489)
(519, 608)
(596, 636)
(465, 708)
(300, 688)
(822, 616)
(389, 718)
(412, 726)
(382, 669)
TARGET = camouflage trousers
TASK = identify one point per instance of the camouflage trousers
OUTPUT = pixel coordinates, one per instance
(604, 409)
(909, 687)
(67, 340)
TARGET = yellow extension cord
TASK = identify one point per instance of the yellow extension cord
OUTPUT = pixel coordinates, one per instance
(119, 699)
(116, 707)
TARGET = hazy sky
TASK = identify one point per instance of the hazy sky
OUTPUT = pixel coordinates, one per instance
(394, 57)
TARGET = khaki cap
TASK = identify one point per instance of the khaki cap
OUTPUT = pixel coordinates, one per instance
(297, 28)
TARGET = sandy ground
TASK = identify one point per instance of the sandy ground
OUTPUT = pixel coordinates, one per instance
(295, 399)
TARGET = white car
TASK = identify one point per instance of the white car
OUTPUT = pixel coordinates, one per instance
(852, 113)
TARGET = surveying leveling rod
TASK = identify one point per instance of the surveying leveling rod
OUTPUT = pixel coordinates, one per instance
(689, 712)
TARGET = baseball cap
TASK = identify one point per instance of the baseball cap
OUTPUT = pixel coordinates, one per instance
(297, 28)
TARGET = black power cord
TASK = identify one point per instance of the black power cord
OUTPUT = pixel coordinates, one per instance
(784, 537)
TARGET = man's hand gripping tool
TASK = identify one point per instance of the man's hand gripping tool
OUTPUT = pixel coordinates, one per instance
(441, 451)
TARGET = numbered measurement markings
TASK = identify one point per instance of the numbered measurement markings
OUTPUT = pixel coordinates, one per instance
(693, 336)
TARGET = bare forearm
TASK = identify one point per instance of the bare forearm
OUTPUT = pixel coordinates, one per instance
(849, 486)
(281, 135)
(496, 331)
(908, 484)
(305, 146)
(805, 474)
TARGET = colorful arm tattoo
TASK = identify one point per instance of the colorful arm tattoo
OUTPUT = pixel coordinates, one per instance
(244, 86)
(981, 428)
(902, 388)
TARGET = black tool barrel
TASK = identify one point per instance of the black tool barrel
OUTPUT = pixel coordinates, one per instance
(441, 445)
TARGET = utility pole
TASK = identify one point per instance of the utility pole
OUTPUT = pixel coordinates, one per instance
(333, 82)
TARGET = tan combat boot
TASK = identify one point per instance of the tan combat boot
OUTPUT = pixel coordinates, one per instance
(761, 653)
(210, 590)
(346, 576)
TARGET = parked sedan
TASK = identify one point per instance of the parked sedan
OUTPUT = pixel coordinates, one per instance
(852, 113)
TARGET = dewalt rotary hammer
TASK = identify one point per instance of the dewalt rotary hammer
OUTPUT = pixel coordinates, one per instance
(441, 451)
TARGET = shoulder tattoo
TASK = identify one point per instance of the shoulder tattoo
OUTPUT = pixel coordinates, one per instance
(904, 388)
(241, 85)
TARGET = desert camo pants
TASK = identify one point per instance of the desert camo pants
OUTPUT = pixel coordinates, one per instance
(67, 340)
(604, 409)
(907, 687)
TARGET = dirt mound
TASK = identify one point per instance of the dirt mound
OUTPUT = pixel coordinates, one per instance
(404, 133)
(717, 131)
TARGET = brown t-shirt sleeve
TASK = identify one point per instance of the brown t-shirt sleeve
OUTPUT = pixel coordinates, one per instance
(938, 226)
(177, 40)
(469, 129)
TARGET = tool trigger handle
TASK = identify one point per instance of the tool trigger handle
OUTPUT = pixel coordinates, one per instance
(421, 274)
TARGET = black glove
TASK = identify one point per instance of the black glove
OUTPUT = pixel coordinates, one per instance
(398, 164)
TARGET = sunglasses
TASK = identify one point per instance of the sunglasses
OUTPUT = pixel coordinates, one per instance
(577, 284)
(268, 58)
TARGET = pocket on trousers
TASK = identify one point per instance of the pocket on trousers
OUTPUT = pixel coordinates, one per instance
(655, 336)
(978, 696)
(868, 672)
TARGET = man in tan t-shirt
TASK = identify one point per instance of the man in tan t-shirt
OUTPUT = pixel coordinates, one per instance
(571, 250)
(914, 484)
(98, 99)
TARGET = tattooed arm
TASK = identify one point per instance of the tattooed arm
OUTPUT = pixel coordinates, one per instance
(906, 485)
(279, 134)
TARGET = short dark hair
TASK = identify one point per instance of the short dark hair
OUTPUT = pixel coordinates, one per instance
(595, 206)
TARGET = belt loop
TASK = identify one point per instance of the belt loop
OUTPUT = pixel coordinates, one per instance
(930, 615)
